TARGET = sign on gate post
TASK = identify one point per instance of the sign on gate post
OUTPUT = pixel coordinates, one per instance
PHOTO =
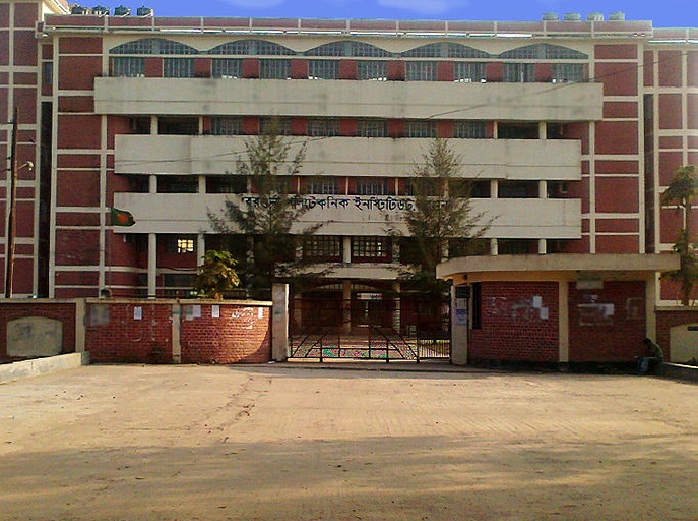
(279, 322)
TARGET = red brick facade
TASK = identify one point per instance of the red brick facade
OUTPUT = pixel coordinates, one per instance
(519, 323)
(607, 325)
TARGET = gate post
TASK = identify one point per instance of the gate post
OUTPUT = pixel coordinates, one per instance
(459, 324)
(279, 322)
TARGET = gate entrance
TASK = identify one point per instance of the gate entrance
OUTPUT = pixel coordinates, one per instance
(369, 326)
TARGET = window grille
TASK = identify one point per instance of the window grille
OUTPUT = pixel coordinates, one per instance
(366, 50)
(420, 71)
(48, 73)
(272, 49)
(563, 72)
(322, 247)
(369, 247)
(275, 69)
(328, 49)
(371, 128)
(228, 184)
(372, 186)
(179, 68)
(241, 47)
(227, 68)
(177, 184)
(132, 67)
(469, 71)
(226, 126)
(279, 126)
(420, 129)
(323, 127)
(432, 50)
(456, 50)
(323, 185)
(543, 51)
(153, 46)
(323, 69)
(186, 126)
(372, 70)
(518, 72)
(469, 129)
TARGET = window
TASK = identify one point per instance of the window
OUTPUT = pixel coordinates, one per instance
(372, 186)
(469, 72)
(177, 184)
(432, 50)
(48, 73)
(181, 126)
(563, 72)
(179, 68)
(518, 189)
(323, 248)
(518, 131)
(226, 68)
(180, 243)
(421, 186)
(323, 69)
(279, 126)
(470, 129)
(370, 247)
(367, 50)
(557, 189)
(328, 49)
(420, 71)
(275, 69)
(128, 66)
(323, 185)
(479, 188)
(371, 128)
(517, 246)
(518, 72)
(462, 247)
(140, 124)
(372, 70)
(226, 126)
(543, 51)
(229, 184)
(275, 184)
(555, 130)
(420, 129)
(323, 127)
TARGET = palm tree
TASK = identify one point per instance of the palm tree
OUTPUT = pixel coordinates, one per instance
(680, 192)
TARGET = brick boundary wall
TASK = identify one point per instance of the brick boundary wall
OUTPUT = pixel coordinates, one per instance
(671, 317)
(62, 310)
(239, 333)
(170, 331)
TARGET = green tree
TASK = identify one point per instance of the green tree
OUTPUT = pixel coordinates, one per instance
(270, 220)
(680, 193)
(217, 275)
(440, 217)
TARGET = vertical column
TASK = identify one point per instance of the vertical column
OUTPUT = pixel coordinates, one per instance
(152, 184)
(200, 249)
(346, 306)
(80, 322)
(564, 321)
(459, 324)
(542, 246)
(279, 322)
(152, 263)
(176, 333)
(346, 250)
(651, 291)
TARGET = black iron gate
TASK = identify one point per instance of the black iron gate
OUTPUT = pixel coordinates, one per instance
(370, 327)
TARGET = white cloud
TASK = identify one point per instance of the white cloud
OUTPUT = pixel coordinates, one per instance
(262, 4)
(421, 6)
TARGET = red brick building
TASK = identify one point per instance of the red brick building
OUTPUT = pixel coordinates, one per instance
(571, 129)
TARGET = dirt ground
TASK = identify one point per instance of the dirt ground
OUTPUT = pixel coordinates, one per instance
(280, 442)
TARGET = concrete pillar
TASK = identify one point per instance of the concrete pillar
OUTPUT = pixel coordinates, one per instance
(200, 249)
(346, 250)
(152, 184)
(542, 246)
(346, 307)
(650, 305)
(80, 321)
(176, 333)
(494, 247)
(459, 325)
(564, 321)
(279, 322)
(152, 264)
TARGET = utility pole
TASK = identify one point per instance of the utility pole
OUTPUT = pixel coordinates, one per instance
(11, 226)
(12, 203)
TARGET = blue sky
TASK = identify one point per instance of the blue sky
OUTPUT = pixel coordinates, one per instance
(663, 13)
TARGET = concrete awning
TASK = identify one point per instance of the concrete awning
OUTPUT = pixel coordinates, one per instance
(572, 266)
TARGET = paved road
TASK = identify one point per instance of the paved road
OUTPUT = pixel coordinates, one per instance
(280, 442)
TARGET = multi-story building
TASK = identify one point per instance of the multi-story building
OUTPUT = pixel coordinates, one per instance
(570, 128)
